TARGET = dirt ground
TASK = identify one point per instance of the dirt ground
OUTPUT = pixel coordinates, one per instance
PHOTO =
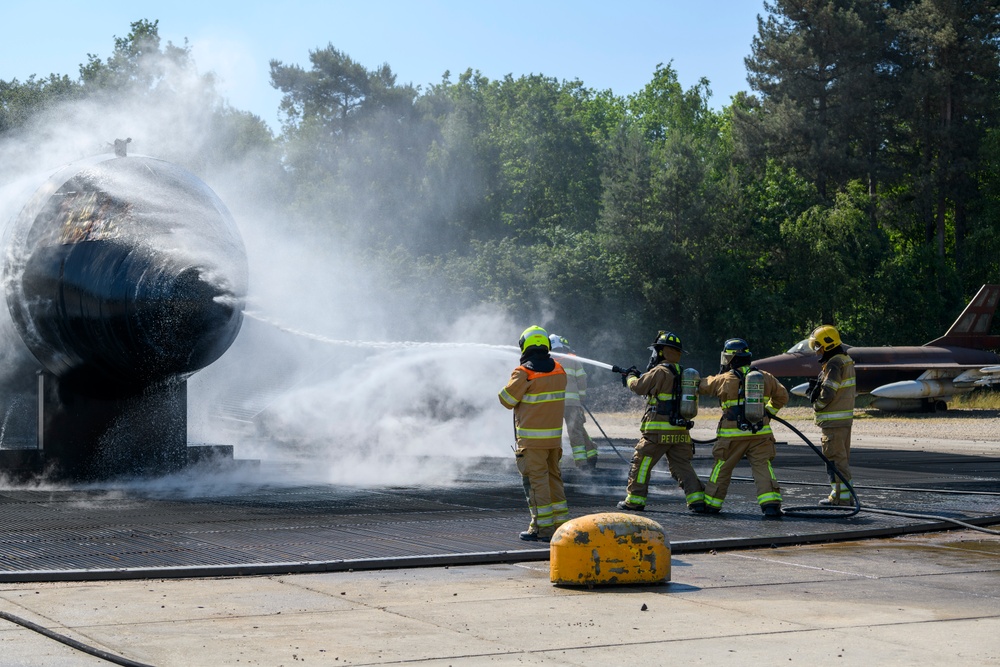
(971, 430)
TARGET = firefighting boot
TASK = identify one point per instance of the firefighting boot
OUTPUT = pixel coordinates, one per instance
(698, 507)
(771, 511)
(626, 505)
(531, 536)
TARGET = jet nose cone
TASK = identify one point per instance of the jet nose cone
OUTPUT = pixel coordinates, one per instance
(789, 365)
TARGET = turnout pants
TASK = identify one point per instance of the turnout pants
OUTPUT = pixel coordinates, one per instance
(543, 487)
(836, 443)
(649, 450)
(583, 447)
(759, 450)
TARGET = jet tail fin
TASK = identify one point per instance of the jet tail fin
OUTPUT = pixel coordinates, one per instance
(972, 328)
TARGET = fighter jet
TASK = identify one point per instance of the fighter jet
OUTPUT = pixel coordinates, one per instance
(912, 378)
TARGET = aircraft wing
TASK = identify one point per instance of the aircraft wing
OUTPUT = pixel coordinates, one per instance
(941, 382)
(917, 367)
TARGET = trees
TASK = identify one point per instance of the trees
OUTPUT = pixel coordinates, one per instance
(548, 174)
(819, 68)
(948, 59)
(20, 101)
(863, 164)
(895, 95)
(354, 145)
(138, 65)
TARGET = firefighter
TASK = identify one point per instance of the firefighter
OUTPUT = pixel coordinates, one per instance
(832, 396)
(583, 448)
(664, 431)
(738, 437)
(536, 392)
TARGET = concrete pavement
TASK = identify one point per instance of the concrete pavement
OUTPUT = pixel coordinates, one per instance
(919, 599)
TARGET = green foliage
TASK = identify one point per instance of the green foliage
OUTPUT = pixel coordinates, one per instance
(662, 107)
(818, 66)
(19, 102)
(858, 185)
(138, 65)
(548, 174)
(835, 250)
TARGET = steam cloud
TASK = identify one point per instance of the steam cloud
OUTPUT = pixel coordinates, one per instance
(362, 414)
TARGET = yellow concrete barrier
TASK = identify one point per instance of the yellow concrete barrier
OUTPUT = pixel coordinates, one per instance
(609, 548)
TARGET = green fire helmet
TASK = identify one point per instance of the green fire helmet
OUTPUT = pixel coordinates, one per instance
(534, 336)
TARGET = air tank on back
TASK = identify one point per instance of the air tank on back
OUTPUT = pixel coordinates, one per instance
(123, 275)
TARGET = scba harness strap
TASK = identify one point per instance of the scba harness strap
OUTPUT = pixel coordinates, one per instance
(669, 405)
(736, 411)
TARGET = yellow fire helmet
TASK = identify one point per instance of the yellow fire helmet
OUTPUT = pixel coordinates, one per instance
(823, 339)
(534, 336)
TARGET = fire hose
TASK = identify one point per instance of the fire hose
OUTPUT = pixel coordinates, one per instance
(813, 511)
(594, 419)
(819, 511)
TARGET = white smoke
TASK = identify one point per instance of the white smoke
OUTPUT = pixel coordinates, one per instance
(362, 414)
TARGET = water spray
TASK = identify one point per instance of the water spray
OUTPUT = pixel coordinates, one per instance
(384, 345)
(584, 360)
(375, 345)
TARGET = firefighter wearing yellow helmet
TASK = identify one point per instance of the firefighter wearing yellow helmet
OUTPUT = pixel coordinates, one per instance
(664, 433)
(536, 392)
(748, 397)
(583, 447)
(832, 395)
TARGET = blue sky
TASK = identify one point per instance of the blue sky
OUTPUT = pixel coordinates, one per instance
(606, 45)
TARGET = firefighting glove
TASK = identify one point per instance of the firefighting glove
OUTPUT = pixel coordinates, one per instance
(814, 389)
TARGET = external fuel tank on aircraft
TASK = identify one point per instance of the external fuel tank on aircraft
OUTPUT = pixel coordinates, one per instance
(123, 275)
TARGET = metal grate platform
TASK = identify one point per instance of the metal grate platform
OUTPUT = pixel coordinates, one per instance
(109, 533)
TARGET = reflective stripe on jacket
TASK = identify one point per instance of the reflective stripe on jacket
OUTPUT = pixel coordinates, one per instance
(835, 405)
(576, 380)
(657, 385)
(537, 400)
(726, 387)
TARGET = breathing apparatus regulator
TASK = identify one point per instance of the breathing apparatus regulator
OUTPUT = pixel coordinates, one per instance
(682, 408)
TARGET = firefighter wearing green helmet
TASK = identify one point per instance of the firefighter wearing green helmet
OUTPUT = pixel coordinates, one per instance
(581, 444)
(536, 392)
(664, 433)
(832, 395)
(748, 397)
